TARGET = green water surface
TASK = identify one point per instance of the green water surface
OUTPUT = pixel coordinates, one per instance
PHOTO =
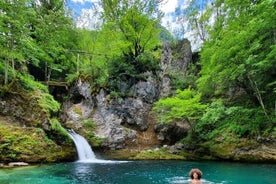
(139, 172)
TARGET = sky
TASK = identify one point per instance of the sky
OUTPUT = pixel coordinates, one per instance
(84, 13)
(77, 5)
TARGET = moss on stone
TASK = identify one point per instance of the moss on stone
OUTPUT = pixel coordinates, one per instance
(135, 154)
(29, 145)
(158, 154)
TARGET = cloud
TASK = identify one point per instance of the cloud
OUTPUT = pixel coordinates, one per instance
(174, 21)
(168, 6)
(88, 18)
(84, 1)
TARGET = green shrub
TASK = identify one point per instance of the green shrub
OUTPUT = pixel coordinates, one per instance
(211, 119)
(238, 120)
(29, 84)
(90, 124)
(96, 141)
(125, 71)
(245, 122)
(184, 106)
(56, 126)
(48, 103)
(70, 78)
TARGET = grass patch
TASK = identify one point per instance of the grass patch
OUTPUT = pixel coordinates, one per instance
(56, 126)
(89, 124)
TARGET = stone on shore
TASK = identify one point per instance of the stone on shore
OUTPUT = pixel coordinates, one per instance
(15, 164)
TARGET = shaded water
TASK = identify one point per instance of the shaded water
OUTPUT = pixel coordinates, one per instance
(140, 172)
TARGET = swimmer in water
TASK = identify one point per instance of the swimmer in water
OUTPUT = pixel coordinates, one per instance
(195, 175)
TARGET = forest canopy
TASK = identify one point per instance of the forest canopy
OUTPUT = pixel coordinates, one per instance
(237, 79)
(233, 89)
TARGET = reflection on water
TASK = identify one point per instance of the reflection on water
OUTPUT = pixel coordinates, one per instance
(178, 179)
(136, 172)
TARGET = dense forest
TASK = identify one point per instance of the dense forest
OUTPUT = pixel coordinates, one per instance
(229, 90)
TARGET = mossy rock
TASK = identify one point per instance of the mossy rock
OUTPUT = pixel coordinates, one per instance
(28, 102)
(30, 145)
(121, 154)
(135, 154)
(158, 154)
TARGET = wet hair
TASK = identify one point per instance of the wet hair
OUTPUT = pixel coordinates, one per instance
(197, 171)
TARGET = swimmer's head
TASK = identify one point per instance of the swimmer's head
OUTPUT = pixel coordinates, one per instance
(195, 174)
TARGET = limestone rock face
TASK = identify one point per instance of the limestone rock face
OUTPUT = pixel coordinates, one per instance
(119, 120)
(171, 133)
(183, 56)
(147, 91)
(109, 120)
(260, 153)
(166, 63)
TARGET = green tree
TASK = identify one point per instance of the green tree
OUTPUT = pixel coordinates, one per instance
(38, 34)
(184, 106)
(55, 36)
(14, 33)
(133, 26)
(198, 14)
(93, 56)
(135, 21)
(241, 52)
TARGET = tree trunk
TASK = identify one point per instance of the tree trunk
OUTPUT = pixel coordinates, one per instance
(6, 70)
(258, 95)
(12, 52)
(78, 60)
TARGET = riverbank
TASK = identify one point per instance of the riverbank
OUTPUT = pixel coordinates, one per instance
(259, 153)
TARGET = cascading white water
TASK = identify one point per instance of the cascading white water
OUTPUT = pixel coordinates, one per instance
(84, 150)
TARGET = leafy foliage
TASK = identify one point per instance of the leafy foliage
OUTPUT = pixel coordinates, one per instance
(243, 55)
(38, 38)
(235, 120)
(56, 126)
(40, 93)
(38, 35)
(184, 106)
(27, 83)
(133, 25)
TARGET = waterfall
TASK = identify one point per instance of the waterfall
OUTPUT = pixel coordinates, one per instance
(84, 150)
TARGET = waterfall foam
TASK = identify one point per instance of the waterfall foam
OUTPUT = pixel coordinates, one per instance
(85, 152)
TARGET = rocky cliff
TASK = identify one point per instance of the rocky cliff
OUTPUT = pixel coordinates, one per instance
(129, 122)
(124, 122)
